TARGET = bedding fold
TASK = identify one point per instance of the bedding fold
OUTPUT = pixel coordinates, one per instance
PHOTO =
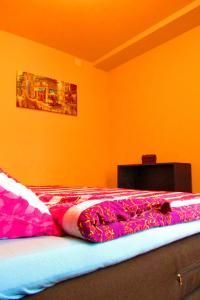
(100, 214)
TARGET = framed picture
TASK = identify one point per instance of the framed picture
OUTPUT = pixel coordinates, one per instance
(43, 93)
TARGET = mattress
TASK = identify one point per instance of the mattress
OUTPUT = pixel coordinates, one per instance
(31, 265)
(150, 276)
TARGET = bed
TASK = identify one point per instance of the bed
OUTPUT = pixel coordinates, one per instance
(155, 263)
(151, 276)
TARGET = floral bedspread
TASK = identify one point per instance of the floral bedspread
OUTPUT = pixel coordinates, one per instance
(101, 214)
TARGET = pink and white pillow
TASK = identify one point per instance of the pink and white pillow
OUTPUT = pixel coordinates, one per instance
(22, 214)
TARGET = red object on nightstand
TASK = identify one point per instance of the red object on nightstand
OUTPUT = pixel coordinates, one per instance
(149, 159)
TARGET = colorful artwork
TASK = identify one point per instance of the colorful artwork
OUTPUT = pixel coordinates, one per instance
(43, 93)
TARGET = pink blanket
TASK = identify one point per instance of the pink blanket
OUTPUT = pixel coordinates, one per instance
(100, 214)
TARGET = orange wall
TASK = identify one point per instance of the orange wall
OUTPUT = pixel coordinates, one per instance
(156, 106)
(47, 148)
(149, 105)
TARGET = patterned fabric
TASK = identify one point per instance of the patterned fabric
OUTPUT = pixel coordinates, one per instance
(98, 214)
(22, 214)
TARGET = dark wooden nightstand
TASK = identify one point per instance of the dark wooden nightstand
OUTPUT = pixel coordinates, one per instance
(161, 176)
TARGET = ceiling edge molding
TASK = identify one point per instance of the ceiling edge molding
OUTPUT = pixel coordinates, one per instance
(170, 27)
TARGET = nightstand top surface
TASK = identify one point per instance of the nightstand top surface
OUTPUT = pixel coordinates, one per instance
(156, 164)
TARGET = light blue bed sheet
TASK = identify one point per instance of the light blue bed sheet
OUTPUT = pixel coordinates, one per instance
(30, 265)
